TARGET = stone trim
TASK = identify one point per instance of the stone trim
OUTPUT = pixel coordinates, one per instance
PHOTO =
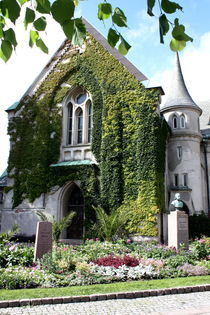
(101, 297)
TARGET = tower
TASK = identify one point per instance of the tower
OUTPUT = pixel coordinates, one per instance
(183, 148)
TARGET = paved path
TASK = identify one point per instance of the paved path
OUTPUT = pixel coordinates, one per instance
(182, 304)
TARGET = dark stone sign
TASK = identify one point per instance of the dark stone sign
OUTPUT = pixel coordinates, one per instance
(43, 243)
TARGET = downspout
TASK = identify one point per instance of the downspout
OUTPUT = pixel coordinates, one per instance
(205, 143)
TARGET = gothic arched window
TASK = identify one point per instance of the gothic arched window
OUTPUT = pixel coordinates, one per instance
(182, 121)
(79, 126)
(70, 118)
(77, 123)
(89, 122)
(175, 122)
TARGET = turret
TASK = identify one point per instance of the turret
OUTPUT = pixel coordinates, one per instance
(184, 162)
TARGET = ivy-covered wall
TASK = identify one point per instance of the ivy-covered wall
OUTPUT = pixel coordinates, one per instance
(128, 139)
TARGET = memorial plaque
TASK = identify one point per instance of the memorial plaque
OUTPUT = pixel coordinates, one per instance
(178, 230)
(182, 223)
(43, 243)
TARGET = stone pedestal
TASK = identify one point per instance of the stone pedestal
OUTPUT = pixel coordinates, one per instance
(43, 243)
(178, 229)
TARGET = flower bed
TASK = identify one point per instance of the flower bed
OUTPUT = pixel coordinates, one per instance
(100, 262)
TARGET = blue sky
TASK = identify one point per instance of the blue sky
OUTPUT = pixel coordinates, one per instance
(152, 58)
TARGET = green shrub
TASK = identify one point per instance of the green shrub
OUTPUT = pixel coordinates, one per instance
(199, 225)
(16, 254)
(201, 248)
(178, 260)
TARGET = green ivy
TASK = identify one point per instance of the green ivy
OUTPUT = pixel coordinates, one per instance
(128, 139)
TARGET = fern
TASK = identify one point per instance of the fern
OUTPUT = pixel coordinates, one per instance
(110, 226)
(57, 226)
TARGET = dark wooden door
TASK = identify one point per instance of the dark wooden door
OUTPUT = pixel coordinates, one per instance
(76, 204)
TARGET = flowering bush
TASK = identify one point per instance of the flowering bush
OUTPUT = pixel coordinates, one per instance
(12, 254)
(100, 262)
(191, 270)
(124, 272)
(18, 278)
(201, 248)
(117, 261)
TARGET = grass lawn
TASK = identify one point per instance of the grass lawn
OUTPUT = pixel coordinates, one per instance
(102, 288)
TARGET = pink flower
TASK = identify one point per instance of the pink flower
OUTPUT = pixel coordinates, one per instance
(12, 248)
(129, 241)
(201, 241)
(97, 239)
(65, 248)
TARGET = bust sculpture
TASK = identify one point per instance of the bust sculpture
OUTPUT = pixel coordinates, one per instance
(178, 204)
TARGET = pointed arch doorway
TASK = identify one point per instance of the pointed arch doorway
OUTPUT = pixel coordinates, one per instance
(73, 200)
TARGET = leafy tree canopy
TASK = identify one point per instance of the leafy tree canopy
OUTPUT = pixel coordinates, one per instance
(63, 12)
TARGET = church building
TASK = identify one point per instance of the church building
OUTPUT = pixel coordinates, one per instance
(87, 133)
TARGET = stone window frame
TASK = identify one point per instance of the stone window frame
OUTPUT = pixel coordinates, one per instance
(176, 180)
(70, 122)
(179, 152)
(182, 121)
(185, 179)
(175, 121)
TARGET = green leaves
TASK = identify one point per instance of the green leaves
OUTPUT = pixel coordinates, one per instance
(34, 35)
(62, 10)
(35, 39)
(163, 27)
(22, 1)
(119, 18)
(1, 31)
(5, 50)
(43, 6)
(150, 5)
(40, 44)
(124, 46)
(113, 37)
(9, 36)
(75, 31)
(104, 11)
(179, 32)
(169, 6)
(40, 24)
(12, 8)
(177, 45)
(29, 17)
(180, 38)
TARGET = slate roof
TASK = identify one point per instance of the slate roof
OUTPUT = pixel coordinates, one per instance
(205, 117)
(3, 179)
(178, 95)
(12, 107)
(73, 163)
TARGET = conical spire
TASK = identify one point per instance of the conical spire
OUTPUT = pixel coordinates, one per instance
(178, 95)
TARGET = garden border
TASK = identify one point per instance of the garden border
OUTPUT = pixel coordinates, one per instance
(101, 297)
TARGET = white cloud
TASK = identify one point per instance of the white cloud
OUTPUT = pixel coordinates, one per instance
(145, 29)
(195, 67)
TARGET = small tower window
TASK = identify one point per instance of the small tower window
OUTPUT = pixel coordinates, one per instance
(175, 123)
(185, 179)
(182, 121)
(79, 126)
(176, 180)
(179, 152)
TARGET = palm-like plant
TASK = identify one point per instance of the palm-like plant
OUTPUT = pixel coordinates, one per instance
(57, 226)
(110, 226)
(5, 237)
